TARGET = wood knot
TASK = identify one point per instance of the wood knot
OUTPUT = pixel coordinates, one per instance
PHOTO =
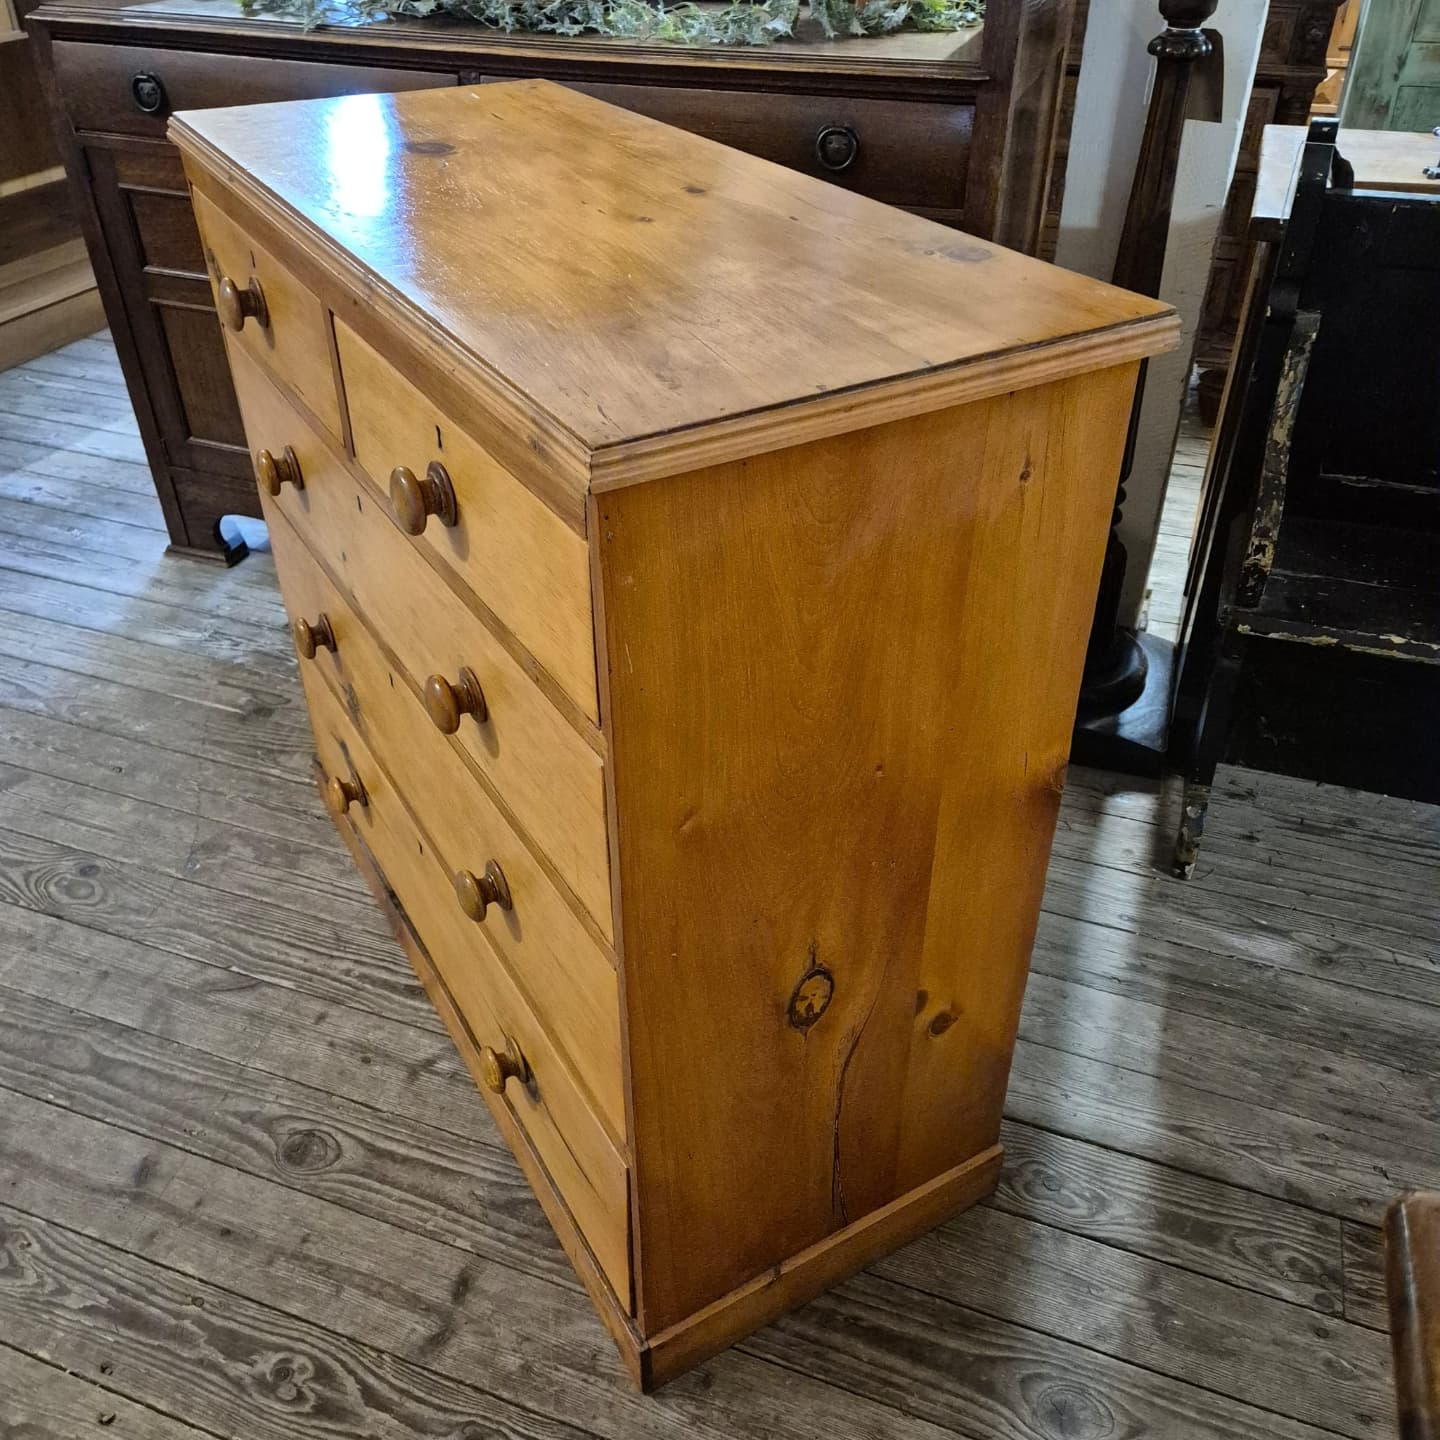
(288, 1378)
(308, 1150)
(811, 997)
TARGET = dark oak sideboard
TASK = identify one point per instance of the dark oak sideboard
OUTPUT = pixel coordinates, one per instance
(957, 127)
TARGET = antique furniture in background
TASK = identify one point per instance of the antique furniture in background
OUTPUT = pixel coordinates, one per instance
(47, 290)
(1337, 59)
(1394, 81)
(1291, 66)
(1124, 712)
(959, 127)
(691, 565)
(1311, 637)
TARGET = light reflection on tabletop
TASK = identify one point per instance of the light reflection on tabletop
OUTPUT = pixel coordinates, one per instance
(358, 144)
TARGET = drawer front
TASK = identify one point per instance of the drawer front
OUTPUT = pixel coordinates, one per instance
(544, 770)
(585, 1164)
(566, 978)
(523, 562)
(910, 153)
(133, 89)
(290, 334)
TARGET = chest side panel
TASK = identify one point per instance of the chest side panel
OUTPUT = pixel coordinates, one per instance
(841, 683)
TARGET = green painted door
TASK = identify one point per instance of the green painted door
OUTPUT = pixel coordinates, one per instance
(1394, 77)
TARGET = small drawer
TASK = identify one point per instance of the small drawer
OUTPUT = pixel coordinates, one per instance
(522, 560)
(913, 153)
(551, 779)
(133, 89)
(568, 981)
(266, 312)
(588, 1169)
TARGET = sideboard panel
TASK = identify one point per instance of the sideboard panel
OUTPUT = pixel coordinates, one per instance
(959, 128)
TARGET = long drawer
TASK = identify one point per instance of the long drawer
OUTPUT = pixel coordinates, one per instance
(913, 153)
(588, 1169)
(133, 89)
(523, 561)
(547, 774)
(568, 981)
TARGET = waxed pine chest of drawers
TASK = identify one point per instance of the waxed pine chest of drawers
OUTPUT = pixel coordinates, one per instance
(691, 566)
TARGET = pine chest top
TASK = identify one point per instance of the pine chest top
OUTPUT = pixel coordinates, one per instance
(636, 292)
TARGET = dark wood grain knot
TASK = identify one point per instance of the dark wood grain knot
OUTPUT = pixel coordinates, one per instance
(415, 498)
(236, 306)
(498, 1066)
(313, 636)
(309, 1150)
(273, 470)
(476, 896)
(341, 794)
(446, 703)
(810, 998)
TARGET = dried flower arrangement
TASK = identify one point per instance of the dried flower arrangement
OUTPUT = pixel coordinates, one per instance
(742, 22)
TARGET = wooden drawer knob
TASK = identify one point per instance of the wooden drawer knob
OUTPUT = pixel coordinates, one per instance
(414, 499)
(310, 638)
(477, 896)
(341, 794)
(498, 1066)
(273, 471)
(236, 306)
(446, 703)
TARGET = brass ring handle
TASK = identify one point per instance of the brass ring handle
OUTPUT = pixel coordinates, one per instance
(415, 498)
(446, 703)
(836, 147)
(498, 1066)
(273, 473)
(341, 794)
(236, 306)
(147, 90)
(477, 896)
(310, 638)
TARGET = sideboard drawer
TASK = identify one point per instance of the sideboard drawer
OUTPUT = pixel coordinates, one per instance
(587, 1167)
(529, 568)
(271, 315)
(568, 980)
(133, 89)
(913, 153)
(548, 775)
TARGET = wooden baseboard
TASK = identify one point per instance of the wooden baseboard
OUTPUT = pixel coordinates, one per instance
(47, 299)
(39, 332)
(805, 1275)
(659, 1358)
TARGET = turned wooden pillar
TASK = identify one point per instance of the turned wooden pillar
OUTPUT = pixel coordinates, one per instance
(1116, 665)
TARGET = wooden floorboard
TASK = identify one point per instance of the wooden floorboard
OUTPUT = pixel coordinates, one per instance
(247, 1189)
(40, 1401)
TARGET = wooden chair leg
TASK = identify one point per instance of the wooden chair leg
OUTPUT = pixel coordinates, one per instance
(1211, 733)
(1412, 1285)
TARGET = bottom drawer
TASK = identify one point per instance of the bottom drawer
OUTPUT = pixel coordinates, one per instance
(587, 1169)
